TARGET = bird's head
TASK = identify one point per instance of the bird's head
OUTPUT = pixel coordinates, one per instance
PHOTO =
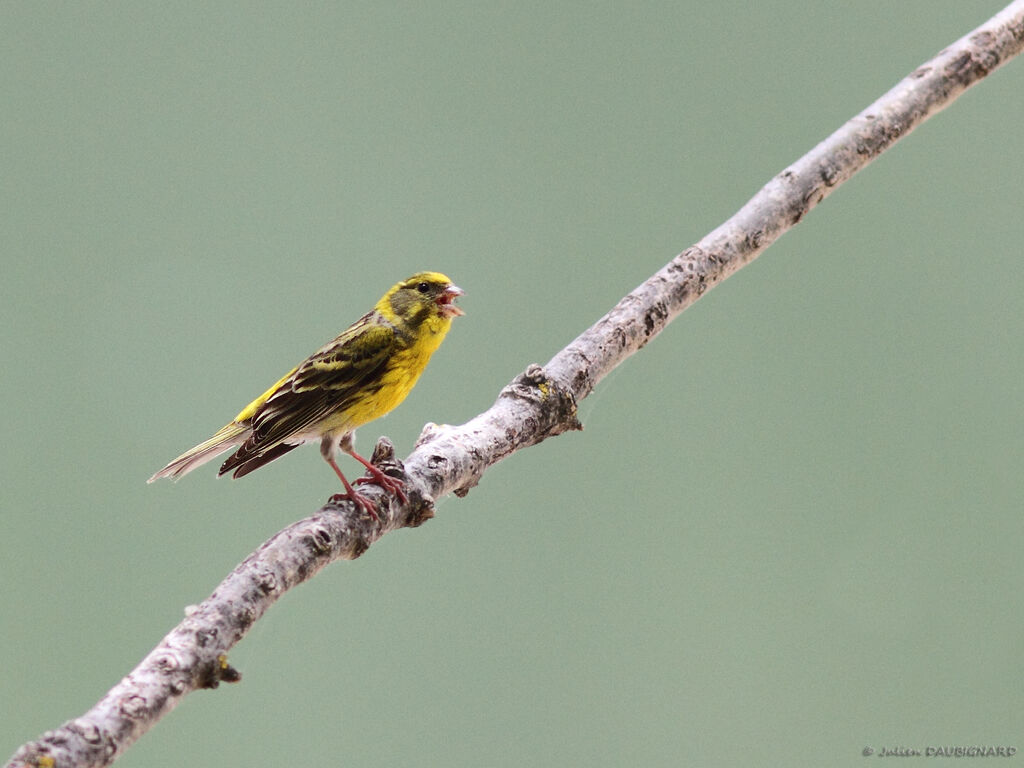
(426, 296)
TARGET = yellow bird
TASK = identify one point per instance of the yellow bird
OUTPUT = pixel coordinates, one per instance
(360, 376)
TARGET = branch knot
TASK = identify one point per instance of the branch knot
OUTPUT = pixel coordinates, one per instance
(554, 403)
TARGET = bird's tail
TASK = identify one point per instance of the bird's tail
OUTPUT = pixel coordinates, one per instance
(229, 436)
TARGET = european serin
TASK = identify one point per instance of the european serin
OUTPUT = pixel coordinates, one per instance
(361, 375)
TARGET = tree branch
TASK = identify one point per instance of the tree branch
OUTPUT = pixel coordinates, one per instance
(538, 404)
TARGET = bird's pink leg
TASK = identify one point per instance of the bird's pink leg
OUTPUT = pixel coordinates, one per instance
(350, 492)
(390, 484)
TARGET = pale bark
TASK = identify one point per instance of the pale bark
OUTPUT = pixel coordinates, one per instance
(540, 403)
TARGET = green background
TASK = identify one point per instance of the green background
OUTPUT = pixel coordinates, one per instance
(792, 528)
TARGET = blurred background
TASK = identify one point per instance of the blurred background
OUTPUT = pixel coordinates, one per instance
(792, 528)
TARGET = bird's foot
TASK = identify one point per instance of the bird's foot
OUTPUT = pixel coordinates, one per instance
(358, 499)
(388, 483)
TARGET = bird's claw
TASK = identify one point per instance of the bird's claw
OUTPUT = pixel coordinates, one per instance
(358, 499)
(389, 484)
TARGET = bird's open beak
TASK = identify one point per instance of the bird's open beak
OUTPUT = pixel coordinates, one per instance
(447, 301)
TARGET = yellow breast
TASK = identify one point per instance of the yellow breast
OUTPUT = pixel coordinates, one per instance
(400, 375)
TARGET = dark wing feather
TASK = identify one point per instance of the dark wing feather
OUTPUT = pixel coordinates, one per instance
(329, 381)
(257, 461)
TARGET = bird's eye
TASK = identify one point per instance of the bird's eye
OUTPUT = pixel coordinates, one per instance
(423, 287)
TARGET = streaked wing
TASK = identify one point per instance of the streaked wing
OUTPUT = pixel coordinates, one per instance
(349, 361)
(328, 382)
